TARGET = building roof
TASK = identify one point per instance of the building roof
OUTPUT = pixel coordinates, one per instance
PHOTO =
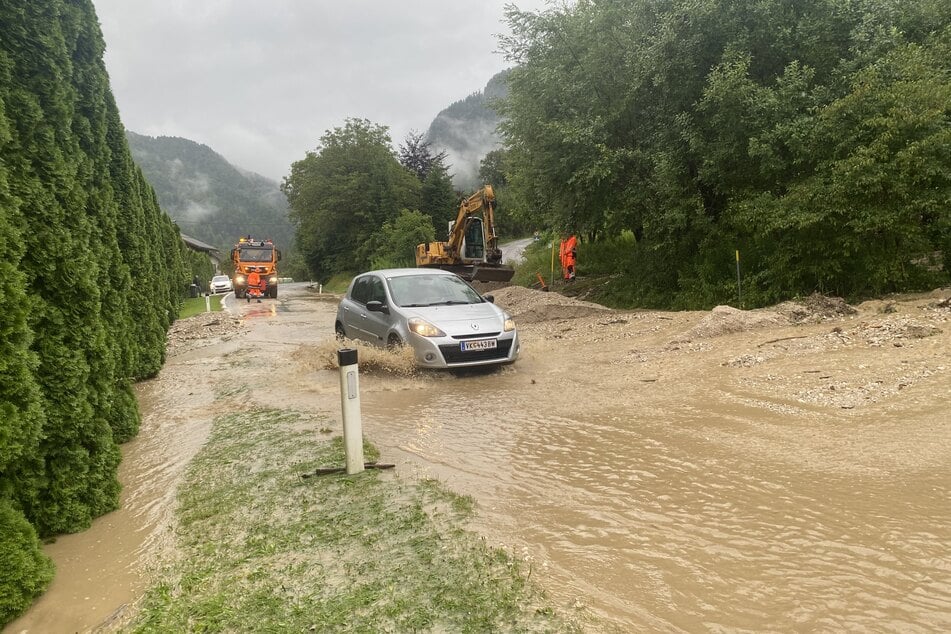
(198, 245)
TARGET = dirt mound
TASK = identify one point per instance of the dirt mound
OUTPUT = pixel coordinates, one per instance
(815, 308)
(724, 320)
(528, 306)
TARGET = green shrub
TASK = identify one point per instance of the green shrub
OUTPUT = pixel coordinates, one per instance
(24, 570)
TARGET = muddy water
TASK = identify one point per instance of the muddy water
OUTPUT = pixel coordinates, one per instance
(660, 496)
(693, 510)
(103, 570)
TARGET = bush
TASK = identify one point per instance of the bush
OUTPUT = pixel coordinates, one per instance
(24, 570)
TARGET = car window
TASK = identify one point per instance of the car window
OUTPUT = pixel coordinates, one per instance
(376, 291)
(360, 290)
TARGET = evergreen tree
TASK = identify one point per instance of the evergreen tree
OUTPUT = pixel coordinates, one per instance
(416, 155)
(26, 570)
(437, 198)
(91, 275)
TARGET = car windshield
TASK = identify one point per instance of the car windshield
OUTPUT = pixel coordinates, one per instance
(431, 290)
(220, 278)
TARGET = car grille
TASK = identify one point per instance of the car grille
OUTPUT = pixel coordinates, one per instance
(478, 335)
(452, 354)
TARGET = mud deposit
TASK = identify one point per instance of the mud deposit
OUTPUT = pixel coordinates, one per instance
(778, 470)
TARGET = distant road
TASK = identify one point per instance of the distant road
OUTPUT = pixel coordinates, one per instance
(513, 251)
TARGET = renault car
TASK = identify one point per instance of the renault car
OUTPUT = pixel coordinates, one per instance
(446, 321)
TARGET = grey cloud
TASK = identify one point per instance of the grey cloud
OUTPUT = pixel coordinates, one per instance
(260, 82)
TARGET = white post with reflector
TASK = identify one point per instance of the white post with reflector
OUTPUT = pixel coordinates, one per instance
(350, 409)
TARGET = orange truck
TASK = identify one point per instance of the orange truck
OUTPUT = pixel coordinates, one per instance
(255, 255)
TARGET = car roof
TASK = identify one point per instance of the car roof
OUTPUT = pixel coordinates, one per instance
(408, 272)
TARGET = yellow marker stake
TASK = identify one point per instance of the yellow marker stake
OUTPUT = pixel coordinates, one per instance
(739, 289)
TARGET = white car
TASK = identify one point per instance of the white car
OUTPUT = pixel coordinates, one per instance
(221, 284)
(446, 322)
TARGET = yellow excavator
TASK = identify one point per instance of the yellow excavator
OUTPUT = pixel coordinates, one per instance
(472, 251)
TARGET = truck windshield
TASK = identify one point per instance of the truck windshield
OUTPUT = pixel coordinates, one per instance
(256, 254)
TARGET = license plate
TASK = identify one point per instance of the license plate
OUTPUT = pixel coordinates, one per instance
(478, 344)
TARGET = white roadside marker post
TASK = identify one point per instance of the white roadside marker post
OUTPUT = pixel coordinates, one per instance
(350, 409)
(207, 302)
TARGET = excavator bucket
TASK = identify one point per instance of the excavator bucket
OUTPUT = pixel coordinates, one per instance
(486, 273)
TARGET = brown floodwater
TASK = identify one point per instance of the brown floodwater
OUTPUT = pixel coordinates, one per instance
(654, 525)
(660, 497)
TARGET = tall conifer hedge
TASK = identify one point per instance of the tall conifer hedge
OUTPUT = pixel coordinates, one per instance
(91, 276)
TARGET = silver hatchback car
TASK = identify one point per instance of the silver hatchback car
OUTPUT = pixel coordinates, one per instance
(220, 284)
(446, 322)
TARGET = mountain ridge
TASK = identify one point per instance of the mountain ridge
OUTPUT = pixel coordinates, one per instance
(207, 196)
(467, 130)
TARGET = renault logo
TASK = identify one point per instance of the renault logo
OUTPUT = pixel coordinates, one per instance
(474, 325)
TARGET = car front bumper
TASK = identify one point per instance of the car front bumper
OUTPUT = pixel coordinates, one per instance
(446, 352)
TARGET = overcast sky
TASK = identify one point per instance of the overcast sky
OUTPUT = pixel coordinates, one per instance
(261, 81)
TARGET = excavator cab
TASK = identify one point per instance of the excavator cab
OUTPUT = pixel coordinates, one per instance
(473, 244)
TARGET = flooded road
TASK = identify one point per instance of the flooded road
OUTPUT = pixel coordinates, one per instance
(661, 481)
(654, 524)
(657, 482)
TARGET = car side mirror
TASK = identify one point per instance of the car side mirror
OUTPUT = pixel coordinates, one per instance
(377, 307)
(489, 298)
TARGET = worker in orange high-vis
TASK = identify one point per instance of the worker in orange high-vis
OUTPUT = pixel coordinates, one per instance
(255, 287)
(568, 252)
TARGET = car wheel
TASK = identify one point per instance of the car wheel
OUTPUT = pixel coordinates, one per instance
(272, 292)
(340, 332)
(394, 342)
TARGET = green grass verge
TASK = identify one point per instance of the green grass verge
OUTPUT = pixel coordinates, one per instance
(262, 549)
(537, 259)
(196, 305)
(338, 283)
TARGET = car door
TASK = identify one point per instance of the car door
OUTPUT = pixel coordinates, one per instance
(377, 324)
(354, 309)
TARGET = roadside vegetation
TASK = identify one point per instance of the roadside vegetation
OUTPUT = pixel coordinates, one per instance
(262, 547)
(813, 139)
(196, 305)
(92, 273)
(338, 283)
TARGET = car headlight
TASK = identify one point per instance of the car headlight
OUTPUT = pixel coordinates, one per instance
(239, 279)
(424, 329)
(273, 280)
(509, 324)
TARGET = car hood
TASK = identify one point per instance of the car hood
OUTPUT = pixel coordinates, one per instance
(469, 319)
